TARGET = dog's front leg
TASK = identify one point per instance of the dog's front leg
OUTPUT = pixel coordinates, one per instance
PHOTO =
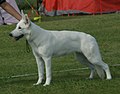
(40, 65)
(47, 61)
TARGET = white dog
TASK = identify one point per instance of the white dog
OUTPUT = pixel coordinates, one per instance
(46, 44)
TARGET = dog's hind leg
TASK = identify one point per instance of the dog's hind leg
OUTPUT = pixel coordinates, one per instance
(101, 67)
(105, 67)
(40, 65)
(93, 56)
(82, 59)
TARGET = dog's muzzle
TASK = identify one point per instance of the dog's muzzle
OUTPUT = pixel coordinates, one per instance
(16, 38)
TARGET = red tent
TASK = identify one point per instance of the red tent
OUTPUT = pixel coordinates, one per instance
(59, 7)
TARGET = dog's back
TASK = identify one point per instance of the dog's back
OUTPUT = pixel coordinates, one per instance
(64, 42)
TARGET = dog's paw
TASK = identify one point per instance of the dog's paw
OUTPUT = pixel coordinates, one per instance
(109, 79)
(38, 82)
(48, 80)
(46, 84)
(35, 84)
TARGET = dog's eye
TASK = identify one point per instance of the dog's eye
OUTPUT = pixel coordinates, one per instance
(19, 28)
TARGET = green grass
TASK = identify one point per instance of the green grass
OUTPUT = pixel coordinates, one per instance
(14, 60)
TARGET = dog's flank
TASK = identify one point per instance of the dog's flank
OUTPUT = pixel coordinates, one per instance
(45, 44)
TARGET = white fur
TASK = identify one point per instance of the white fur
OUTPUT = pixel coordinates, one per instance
(46, 44)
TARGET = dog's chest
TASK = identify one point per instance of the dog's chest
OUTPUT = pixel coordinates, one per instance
(34, 46)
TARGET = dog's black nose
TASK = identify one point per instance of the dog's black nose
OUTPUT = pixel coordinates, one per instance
(10, 35)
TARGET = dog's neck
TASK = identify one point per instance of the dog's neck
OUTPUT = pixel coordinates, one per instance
(37, 34)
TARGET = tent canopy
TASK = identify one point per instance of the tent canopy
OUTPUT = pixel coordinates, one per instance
(59, 7)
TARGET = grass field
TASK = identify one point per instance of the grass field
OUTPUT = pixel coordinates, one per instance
(14, 60)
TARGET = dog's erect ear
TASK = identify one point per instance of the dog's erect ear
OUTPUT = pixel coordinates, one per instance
(23, 15)
(27, 20)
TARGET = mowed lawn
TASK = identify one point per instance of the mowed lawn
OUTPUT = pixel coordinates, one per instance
(14, 60)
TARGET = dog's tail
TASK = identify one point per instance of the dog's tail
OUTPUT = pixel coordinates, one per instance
(100, 71)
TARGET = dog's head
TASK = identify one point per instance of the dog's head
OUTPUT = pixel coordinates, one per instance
(22, 28)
